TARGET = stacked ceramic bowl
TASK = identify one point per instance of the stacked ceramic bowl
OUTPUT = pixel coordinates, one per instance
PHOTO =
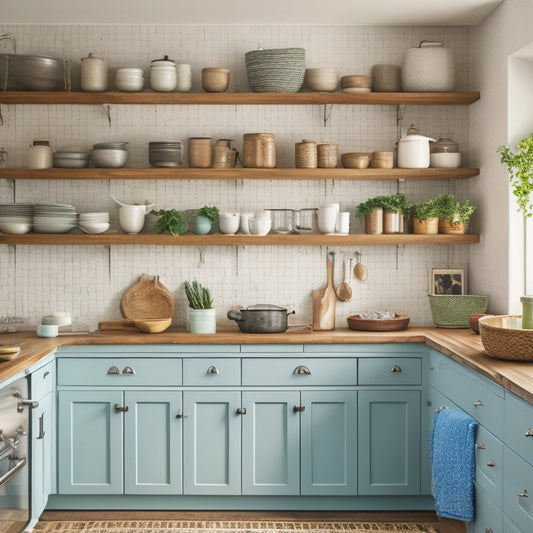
(356, 83)
(54, 218)
(129, 79)
(165, 153)
(16, 219)
(321, 79)
(71, 158)
(93, 222)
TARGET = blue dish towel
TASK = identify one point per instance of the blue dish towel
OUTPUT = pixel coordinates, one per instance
(453, 463)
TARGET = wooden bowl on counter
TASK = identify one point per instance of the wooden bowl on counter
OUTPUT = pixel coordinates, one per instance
(397, 323)
(153, 325)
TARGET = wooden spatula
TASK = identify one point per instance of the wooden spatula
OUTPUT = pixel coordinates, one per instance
(324, 301)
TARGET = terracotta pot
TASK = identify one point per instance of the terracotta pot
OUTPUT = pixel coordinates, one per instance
(429, 226)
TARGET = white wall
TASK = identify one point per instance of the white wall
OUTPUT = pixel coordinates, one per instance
(88, 281)
(497, 260)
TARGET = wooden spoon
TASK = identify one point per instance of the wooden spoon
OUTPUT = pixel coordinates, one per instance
(360, 271)
(344, 291)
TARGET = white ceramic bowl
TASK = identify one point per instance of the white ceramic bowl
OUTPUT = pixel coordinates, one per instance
(260, 226)
(15, 228)
(93, 227)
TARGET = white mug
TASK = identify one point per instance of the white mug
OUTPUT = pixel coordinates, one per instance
(343, 223)
(131, 218)
(245, 225)
(327, 219)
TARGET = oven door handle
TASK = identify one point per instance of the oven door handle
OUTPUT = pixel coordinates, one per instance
(16, 465)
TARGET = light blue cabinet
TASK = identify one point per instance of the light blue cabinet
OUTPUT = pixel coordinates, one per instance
(114, 442)
(212, 442)
(389, 442)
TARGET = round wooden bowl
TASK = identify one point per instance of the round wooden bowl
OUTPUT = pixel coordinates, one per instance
(397, 323)
(355, 160)
(153, 325)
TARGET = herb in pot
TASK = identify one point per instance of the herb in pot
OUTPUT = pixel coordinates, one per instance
(198, 296)
(211, 213)
(169, 221)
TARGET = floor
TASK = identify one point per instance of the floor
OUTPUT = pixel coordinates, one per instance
(445, 525)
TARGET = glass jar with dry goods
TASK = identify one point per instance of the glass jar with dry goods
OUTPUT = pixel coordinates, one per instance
(94, 76)
(305, 154)
(200, 151)
(259, 150)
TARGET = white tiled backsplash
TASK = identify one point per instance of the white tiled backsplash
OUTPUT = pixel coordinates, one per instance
(88, 281)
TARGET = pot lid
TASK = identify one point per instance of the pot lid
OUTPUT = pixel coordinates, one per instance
(111, 145)
(163, 61)
(265, 307)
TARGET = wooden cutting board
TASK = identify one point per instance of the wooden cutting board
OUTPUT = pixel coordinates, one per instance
(117, 325)
(147, 298)
(324, 301)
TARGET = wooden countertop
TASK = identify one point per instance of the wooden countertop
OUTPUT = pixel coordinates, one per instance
(462, 345)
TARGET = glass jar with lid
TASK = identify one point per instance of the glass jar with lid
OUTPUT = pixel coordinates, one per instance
(444, 153)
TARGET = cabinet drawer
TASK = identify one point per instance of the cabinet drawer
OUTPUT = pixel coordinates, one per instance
(480, 398)
(296, 372)
(119, 371)
(205, 372)
(488, 515)
(42, 381)
(389, 371)
(519, 426)
(489, 464)
(517, 482)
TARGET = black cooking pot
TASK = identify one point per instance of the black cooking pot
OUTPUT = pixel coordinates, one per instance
(261, 319)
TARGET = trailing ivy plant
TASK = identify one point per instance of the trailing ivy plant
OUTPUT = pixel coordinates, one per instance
(520, 167)
(170, 221)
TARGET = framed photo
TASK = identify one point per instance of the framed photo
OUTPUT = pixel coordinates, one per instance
(447, 281)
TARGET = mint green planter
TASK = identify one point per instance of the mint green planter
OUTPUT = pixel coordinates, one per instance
(202, 225)
(201, 320)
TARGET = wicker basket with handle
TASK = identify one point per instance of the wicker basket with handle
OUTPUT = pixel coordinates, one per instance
(147, 299)
(504, 342)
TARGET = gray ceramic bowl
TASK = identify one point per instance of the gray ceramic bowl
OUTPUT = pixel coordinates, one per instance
(112, 157)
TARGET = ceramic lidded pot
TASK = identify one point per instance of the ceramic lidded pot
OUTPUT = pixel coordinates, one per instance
(94, 77)
(163, 75)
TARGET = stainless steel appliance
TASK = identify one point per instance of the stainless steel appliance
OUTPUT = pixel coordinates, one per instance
(15, 412)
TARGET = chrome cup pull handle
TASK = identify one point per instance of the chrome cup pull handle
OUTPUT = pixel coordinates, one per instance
(213, 370)
(529, 433)
(491, 463)
(113, 370)
(301, 370)
(128, 370)
(121, 408)
(523, 494)
(478, 403)
(396, 369)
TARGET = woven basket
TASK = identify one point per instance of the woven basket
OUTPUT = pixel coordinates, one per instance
(453, 311)
(278, 70)
(504, 342)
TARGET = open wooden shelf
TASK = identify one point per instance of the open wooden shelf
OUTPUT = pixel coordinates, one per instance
(189, 239)
(226, 98)
(239, 173)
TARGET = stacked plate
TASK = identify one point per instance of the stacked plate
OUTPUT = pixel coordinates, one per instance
(16, 219)
(93, 222)
(54, 218)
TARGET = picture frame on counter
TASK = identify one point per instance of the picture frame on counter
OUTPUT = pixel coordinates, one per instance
(448, 281)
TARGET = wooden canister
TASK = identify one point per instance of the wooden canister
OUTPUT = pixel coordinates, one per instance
(259, 150)
(327, 155)
(200, 151)
(305, 154)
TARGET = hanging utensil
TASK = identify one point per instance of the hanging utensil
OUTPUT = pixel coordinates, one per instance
(344, 291)
(360, 271)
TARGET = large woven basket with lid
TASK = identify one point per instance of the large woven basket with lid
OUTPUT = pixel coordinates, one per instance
(277, 70)
(503, 342)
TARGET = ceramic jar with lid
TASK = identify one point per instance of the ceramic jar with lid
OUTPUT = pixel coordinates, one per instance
(445, 153)
(259, 150)
(200, 151)
(306, 154)
(165, 153)
(40, 154)
(163, 75)
(94, 77)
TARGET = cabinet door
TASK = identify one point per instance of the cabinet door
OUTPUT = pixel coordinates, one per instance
(41, 455)
(270, 443)
(212, 442)
(388, 442)
(328, 443)
(90, 442)
(152, 442)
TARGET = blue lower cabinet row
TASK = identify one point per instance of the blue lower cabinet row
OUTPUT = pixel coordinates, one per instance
(284, 442)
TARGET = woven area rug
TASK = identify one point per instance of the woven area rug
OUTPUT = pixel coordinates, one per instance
(195, 526)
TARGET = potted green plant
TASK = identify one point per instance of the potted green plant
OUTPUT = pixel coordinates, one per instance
(395, 208)
(170, 221)
(204, 220)
(425, 217)
(372, 210)
(201, 315)
(453, 214)
(520, 167)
